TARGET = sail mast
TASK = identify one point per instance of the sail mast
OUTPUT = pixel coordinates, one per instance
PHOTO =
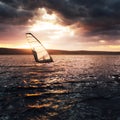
(35, 38)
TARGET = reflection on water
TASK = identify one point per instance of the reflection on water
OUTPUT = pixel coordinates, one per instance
(71, 88)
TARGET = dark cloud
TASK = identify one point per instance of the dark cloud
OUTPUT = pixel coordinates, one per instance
(99, 17)
(11, 15)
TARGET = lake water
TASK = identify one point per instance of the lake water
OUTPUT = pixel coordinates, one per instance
(73, 87)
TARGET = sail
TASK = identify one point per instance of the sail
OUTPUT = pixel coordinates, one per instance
(39, 52)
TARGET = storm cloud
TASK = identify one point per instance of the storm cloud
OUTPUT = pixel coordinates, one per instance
(98, 17)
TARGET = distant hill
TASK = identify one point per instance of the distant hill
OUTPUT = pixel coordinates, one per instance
(11, 51)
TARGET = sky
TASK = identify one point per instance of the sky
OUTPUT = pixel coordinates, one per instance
(61, 24)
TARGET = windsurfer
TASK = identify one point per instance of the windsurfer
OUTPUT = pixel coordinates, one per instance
(35, 55)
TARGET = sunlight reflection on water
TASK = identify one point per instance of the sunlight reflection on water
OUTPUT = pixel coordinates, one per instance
(71, 88)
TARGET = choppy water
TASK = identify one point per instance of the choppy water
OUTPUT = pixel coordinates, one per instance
(71, 88)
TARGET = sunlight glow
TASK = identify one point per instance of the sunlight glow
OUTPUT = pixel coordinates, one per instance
(114, 46)
(40, 26)
(48, 23)
(5, 45)
(102, 41)
(105, 48)
(26, 46)
(46, 16)
(44, 21)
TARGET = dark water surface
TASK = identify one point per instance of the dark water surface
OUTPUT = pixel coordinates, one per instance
(71, 88)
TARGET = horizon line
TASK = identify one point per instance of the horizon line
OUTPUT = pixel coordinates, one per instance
(60, 49)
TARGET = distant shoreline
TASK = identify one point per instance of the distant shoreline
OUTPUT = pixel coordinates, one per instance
(13, 51)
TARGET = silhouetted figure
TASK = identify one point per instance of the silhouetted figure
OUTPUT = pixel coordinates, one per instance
(41, 61)
(35, 55)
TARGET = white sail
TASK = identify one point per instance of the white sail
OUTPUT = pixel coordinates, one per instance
(40, 53)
